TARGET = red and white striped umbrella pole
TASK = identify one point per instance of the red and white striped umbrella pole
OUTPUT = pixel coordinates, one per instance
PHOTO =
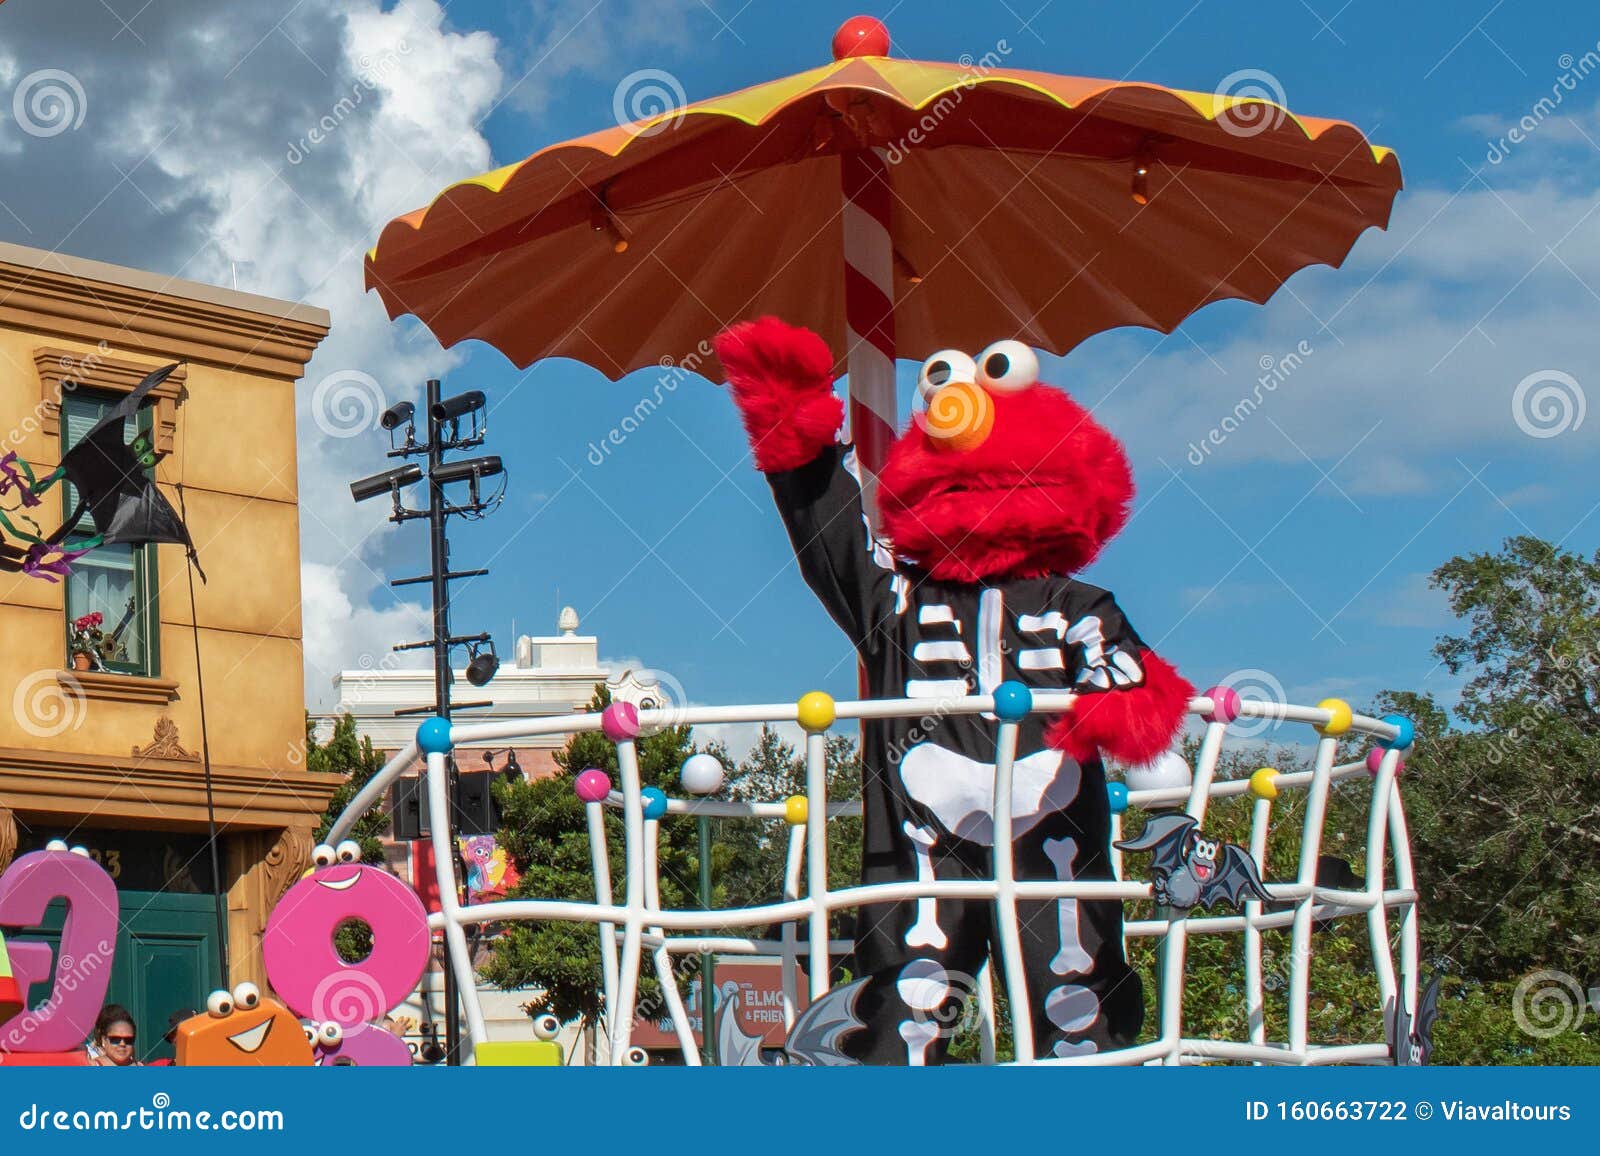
(869, 311)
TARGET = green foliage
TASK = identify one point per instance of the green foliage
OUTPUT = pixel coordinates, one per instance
(545, 834)
(354, 760)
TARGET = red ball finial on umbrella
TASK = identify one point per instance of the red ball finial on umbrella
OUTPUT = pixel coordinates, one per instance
(861, 36)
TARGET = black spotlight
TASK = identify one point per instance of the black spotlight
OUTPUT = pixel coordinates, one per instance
(398, 414)
(482, 666)
(467, 469)
(459, 406)
(390, 480)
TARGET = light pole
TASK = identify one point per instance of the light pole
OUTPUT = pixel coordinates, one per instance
(444, 417)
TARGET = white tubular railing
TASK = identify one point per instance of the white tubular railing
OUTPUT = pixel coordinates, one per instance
(639, 923)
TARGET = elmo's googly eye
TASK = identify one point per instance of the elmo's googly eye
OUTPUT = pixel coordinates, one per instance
(330, 1035)
(349, 851)
(942, 368)
(246, 996)
(219, 1004)
(1007, 366)
(323, 855)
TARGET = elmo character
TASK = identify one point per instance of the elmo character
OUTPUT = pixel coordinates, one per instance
(991, 501)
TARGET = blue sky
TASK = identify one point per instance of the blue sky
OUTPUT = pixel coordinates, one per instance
(1298, 548)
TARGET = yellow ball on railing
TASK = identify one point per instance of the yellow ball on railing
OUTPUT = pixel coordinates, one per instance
(795, 810)
(1263, 783)
(1341, 716)
(815, 711)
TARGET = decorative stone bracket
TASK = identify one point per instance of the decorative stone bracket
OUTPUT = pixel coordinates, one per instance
(61, 370)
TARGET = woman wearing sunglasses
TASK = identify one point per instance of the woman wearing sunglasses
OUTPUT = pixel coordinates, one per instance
(115, 1034)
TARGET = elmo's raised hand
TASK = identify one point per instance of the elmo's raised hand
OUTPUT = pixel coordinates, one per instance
(782, 381)
(1132, 724)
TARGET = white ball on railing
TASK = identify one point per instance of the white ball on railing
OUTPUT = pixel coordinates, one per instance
(1167, 770)
(701, 774)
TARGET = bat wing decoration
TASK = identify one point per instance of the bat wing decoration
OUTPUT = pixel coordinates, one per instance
(1188, 870)
(1411, 1037)
(813, 1040)
(115, 492)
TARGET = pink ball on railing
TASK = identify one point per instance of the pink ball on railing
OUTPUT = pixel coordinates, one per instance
(620, 721)
(1224, 705)
(1375, 759)
(592, 785)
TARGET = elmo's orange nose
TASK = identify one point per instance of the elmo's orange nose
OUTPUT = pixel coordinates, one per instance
(960, 416)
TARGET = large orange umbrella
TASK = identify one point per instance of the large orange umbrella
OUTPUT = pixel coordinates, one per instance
(894, 206)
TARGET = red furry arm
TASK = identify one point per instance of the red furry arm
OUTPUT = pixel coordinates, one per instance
(782, 381)
(1131, 724)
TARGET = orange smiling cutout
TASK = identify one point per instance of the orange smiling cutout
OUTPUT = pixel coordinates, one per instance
(241, 1029)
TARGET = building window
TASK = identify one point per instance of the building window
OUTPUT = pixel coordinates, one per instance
(116, 581)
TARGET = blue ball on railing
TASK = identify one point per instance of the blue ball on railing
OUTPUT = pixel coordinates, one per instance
(1012, 702)
(655, 802)
(1407, 735)
(433, 736)
(1117, 795)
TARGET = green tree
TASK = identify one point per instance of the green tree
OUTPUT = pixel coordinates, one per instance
(352, 758)
(545, 834)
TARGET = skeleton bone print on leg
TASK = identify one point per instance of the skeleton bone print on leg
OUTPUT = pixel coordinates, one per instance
(925, 932)
(923, 985)
(1071, 958)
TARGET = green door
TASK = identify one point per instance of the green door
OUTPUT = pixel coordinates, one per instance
(166, 960)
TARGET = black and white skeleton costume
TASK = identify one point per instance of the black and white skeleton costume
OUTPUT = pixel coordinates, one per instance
(928, 783)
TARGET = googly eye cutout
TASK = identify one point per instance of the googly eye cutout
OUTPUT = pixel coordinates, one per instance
(323, 855)
(349, 851)
(246, 997)
(56, 845)
(330, 1034)
(941, 369)
(1007, 367)
(546, 1027)
(219, 1005)
(83, 851)
(311, 1033)
(636, 1057)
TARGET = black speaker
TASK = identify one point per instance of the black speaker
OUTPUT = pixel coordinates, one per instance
(408, 807)
(476, 811)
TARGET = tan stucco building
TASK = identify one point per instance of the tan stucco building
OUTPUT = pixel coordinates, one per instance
(111, 759)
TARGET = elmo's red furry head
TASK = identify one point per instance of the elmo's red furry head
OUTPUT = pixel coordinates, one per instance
(1001, 477)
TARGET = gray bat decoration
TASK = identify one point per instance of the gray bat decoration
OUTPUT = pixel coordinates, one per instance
(1411, 1037)
(813, 1040)
(1188, 870)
